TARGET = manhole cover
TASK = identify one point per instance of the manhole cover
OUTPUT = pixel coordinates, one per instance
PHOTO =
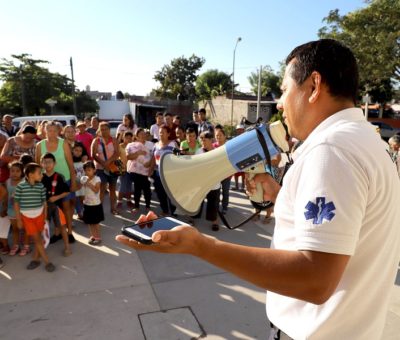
(171, 324)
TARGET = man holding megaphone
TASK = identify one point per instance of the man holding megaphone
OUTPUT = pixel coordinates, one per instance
(336, 245)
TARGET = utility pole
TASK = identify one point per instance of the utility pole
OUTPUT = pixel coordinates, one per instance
(23, 99)
(73, 87)
(259, 92)
(233, 82)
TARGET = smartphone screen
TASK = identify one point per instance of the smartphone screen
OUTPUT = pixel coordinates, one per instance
(142, 232)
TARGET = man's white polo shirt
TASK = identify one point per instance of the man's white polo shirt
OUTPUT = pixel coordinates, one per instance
(341, 196)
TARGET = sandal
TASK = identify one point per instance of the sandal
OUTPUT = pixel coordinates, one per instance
(67, 252)
(33, 264)
(96, 242)
(267, 219)
(50, 267)
(114, 212)
(24, 250)
(215, 227)
(5, 250)
(14, 250)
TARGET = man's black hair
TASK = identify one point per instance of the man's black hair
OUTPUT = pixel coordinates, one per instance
(49, 155)
(334, 61)
(159, 114)
(167, 114)
(202, 110)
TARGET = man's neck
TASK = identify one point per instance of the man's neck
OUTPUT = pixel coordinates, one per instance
(50, 173)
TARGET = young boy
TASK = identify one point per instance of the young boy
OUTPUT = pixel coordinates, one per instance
(56, 190)
(30, 211)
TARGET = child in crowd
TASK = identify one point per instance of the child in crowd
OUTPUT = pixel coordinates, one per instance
(16, 176)
(25, 159)
(56, 190)
(30, 210)
(92, 208)
(213, 195)
(78, 159)
(125, 181)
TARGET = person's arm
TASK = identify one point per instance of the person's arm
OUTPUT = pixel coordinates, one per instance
(55, 198)
(94, 187)
(6, 153)
(4, 200)
(38, 152)
(305, 275)
(17, 197)
(134, 155)
(93, 149)
(70, 163)
(115, 155)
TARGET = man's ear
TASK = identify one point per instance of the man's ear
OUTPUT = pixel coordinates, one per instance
(316, 83)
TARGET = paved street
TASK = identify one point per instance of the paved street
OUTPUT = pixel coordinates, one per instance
(111, 292)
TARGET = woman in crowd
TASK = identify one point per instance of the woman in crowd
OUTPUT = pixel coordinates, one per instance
(69, 134)
(128, 124)
(139, 162)
(225, 184)
(70, 137)
(125, 181)
(15, 147)
(164, 145)
(213, 196)
(22, 144)
(105, 150)
(64, 166)
(191, 144)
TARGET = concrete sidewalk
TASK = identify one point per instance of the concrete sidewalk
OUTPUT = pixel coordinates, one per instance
(111, 292)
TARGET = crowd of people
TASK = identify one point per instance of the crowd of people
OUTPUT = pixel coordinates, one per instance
(50, 172)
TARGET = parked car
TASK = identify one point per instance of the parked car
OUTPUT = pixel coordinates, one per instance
(114, 126)
(386, 130)
(63, 119)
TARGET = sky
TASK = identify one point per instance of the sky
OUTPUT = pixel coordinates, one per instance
(120, 44)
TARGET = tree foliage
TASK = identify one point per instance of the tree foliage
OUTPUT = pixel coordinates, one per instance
(270, 82)
(26, 79)
(178, 78)
(373, 33)
(212, 83)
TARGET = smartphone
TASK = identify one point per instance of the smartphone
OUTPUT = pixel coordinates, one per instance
(142, 232)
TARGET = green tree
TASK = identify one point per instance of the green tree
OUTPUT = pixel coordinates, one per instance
(373, 34)
(27, 83)
(178, 78)
(212, 83)
(270, 82)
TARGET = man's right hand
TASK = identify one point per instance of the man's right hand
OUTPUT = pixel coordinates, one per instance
(270, 186)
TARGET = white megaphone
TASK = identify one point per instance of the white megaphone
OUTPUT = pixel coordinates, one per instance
(188, 179)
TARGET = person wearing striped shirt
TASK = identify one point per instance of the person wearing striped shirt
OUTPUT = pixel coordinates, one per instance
(30, 210)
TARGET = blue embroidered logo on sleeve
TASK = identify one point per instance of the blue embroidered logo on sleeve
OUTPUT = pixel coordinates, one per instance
(319, 211)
